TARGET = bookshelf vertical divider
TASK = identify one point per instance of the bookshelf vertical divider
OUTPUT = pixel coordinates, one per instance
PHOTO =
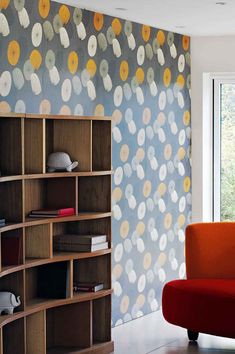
(52, 318)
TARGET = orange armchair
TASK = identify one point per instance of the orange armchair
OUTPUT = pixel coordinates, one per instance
(205, 301)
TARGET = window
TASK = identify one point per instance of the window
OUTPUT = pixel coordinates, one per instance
(224, 149)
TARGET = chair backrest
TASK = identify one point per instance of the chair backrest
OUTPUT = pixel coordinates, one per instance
(210, 250)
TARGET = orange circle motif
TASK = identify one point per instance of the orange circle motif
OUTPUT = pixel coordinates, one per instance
(187, 184)
(98, 21)
(186, 118)
(35, 59)
(146, 31)
(73, 62)
(185, 42)
(91, 67)
(167, 77)
(161, 37)
(140, 75)
(44, 8)
(180, 81)
(124, 70)
(64, 14)
(116, 26)
(4, 4)
(13, 52)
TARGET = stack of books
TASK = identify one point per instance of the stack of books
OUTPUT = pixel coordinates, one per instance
(51, 213)
(2, 222)
(80, 243)
(87, 287)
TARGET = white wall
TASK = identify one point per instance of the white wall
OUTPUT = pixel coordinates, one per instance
(209, 55)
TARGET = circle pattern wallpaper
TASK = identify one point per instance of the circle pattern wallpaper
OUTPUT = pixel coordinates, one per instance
(64, 60)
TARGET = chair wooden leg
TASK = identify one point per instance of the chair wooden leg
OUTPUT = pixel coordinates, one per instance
(192, 335)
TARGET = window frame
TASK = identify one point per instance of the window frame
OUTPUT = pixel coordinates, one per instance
(216, 125)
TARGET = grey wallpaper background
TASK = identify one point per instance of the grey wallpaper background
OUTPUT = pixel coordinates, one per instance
(58, 59)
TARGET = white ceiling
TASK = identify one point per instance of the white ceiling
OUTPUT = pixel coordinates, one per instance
(199, 17)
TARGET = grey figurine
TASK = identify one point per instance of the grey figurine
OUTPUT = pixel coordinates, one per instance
(60, 161)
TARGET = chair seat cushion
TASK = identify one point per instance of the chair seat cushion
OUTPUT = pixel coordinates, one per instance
(201, 305)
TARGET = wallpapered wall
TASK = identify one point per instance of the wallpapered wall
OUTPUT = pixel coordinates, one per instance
(57, 59)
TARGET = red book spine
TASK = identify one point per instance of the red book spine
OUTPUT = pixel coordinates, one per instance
(67, 211)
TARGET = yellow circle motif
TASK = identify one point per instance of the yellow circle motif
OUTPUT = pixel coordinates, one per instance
(167, 151)
(91, 67)
(124, 304)
(140, 300)
(117, 271)
(181, 220)
(73, 62)
(35, 59)
(117, 116)
(161, 189)
(98, 21)
(146, 30)
(147, 189)
(187, 184)
(167, 77)
(13, 52)
(124, 153)
(161, 37)
(140, 228)
(147, 261)
(181, 153)
(168, 221)
(161, 118)
(5, 107)
(99, 110)
(116, 26)
(64, 14)
(124, 229)
(44, 8)
(65, 110)
(180, 81)
(140, 75)
(161, 259)
(124, 70)
(186, 118)
(117, 194)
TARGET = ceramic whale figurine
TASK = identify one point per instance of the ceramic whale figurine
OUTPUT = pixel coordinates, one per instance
(60, 161)
(8, 302)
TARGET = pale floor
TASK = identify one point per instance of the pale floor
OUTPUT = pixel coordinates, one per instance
(151, 334)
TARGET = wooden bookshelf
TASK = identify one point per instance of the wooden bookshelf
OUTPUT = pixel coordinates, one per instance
(52, 319)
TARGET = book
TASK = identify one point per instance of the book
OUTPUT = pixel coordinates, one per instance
(90, 287)
(11, 250)
(47, 216)
(71, 247)
(51, 213)
(81, 239)
(2, 221)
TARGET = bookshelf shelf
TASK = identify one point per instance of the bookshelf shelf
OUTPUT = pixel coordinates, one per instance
(55, 175)
(57, 257)
(77, 217)
(46, 321)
